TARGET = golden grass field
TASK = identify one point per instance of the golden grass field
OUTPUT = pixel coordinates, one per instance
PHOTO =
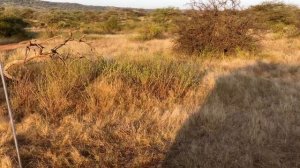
(141, 104)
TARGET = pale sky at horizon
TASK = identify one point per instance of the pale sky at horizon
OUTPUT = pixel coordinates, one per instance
(150, 4)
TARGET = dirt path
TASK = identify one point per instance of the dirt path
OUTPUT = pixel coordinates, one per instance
(12, 46)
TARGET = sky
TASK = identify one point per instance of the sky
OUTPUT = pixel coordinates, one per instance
(150, 4)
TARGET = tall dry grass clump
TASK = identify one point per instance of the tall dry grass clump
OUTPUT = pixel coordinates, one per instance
(57, 87)
(89, 113)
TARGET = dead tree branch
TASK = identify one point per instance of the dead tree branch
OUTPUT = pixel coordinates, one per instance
(42, 55)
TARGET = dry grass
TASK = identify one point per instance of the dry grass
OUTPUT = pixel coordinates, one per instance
(141, 106)
(250, 119)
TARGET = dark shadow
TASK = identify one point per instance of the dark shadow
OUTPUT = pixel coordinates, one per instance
(2, 98)
(17, 39)
(250, 119)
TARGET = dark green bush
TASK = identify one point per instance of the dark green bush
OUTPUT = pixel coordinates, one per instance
(12, 26)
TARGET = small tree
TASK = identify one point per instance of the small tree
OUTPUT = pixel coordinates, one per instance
(214, 25)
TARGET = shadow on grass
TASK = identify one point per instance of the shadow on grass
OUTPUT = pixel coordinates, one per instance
(17, 39)
(250, 119)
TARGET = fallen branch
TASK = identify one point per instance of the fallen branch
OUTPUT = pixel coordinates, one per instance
(52, 54)
(19, 62)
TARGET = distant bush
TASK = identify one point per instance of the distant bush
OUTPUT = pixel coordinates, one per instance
(150, 31)
(215, 27)
(131, 24)
(166, 18)
(165, 15)
(61, 19)
(27, 13)
(111, 25)
(278, 17)
(12, 26)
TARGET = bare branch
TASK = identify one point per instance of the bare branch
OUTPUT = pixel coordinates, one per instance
(52, 54)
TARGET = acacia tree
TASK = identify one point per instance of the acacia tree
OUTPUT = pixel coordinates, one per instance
(215, 25)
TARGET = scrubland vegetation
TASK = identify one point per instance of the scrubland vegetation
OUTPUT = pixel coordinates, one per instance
(216, 86)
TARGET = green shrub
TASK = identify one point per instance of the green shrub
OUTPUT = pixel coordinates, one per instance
(12, 26)
(277, 16)
(165, 17)
(27, 13)
(62, 19)
(111, 25)
(96, 28)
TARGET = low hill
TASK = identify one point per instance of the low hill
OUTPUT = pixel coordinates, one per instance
(46, 4)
